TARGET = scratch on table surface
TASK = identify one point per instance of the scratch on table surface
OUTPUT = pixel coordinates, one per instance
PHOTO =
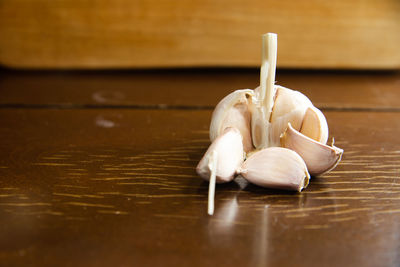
(83, 204)
(339, 212)
(143, 183)
(167, 151)
(110, 193)
(111, 178)
(334, 190)
(383, 183)
(299, 215)
(25, 204)
(386, 191)
(171, 166)
(143, 202)
(181, 159)
(101, 156)
(77, 195)
(53, 164)
(357, 161)
(353, 163)
(342, 219)
(115, 212)
(393, 161)
(191, 147)
(176, 216)
(43, 212)
(358, 145)
(8, 188)
(56, 158)
(383, 166)
(301, 209)
(366, 171)
(384, 177)
(161, 174)
(163, 196)
(169, 186)
(316, 226)
(133, 178)
(133, 169)
(374, 156)
(9, 195)
(387, 211)
(389, 198)
(344, 198)
(329, 175)
(341, 182)
(72, 186)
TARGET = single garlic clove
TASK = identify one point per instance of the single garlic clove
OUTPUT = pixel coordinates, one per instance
(276, 167)
(234, 111)
(289, 107)
(229, 148)
(315, 125)
(319, 157)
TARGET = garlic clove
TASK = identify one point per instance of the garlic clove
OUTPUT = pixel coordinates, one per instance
(315, 125)
(259, 127)
(234, 111)
(229, 150)
(289, 107)
(276, 167)
(318, 157)
(287, 100)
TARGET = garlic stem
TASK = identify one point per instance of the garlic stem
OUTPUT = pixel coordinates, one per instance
(265, 96)
(267, 72)
(211, 187)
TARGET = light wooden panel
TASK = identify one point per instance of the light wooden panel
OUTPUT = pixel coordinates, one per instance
(165, 33)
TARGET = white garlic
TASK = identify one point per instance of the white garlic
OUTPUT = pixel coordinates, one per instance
(257, 122)
(318, 157)
(234, 111)
(314, 125)
(289, 107)
(276, 167)
(221, 161)
(229, 148)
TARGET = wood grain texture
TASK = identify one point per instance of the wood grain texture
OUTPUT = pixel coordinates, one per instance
(112, 182)
(116, 187)
(193, 88)
(158, 33)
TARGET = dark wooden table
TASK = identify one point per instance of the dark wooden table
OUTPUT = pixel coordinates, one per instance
(97, 169)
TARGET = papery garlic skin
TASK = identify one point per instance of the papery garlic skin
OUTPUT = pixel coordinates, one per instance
(318, 157)
(276, 167)
(234, 111)
(230, 153)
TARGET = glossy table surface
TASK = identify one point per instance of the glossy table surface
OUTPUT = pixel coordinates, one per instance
(97, 169)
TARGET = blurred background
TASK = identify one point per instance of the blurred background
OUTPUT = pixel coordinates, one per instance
(124, 34)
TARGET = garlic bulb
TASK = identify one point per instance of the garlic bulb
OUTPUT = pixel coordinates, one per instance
(257, 122)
